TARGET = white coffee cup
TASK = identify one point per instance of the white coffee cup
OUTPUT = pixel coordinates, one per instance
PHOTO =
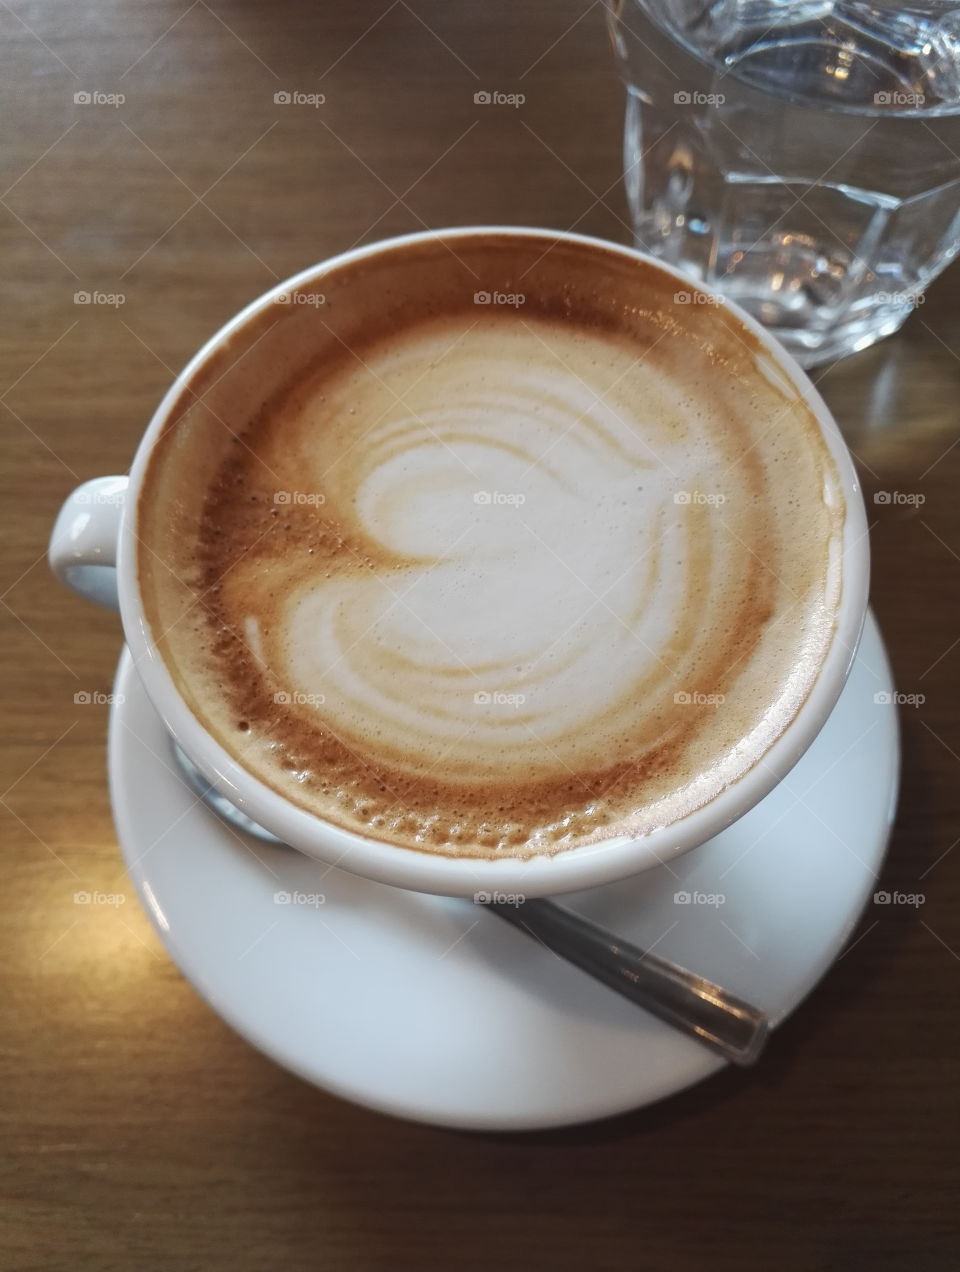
(93, 550)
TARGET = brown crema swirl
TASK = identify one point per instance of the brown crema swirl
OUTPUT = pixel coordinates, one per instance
(493, 546)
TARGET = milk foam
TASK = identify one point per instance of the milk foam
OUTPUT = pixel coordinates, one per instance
(540, 566)
(505, 583)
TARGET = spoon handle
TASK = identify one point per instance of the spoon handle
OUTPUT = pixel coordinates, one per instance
(693, 1005)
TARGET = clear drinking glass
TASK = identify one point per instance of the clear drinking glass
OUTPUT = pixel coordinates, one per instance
(801, 156)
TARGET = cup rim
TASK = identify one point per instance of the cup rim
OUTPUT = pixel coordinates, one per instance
(574, 868)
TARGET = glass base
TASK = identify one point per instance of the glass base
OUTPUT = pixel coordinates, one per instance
(785, 293)
(813, 349)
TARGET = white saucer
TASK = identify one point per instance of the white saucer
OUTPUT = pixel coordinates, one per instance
(437, 1010)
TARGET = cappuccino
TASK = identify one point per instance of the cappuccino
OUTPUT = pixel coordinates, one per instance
(484, 579)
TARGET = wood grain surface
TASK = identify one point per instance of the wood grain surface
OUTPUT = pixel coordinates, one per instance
(139, 1131)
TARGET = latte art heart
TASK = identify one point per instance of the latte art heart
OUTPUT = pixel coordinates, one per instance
(523, 603)
(508, 582)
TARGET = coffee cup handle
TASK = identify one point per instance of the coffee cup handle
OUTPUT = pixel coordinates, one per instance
(83, 545)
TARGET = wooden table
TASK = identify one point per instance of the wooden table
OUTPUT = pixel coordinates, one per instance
(140, 1132)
